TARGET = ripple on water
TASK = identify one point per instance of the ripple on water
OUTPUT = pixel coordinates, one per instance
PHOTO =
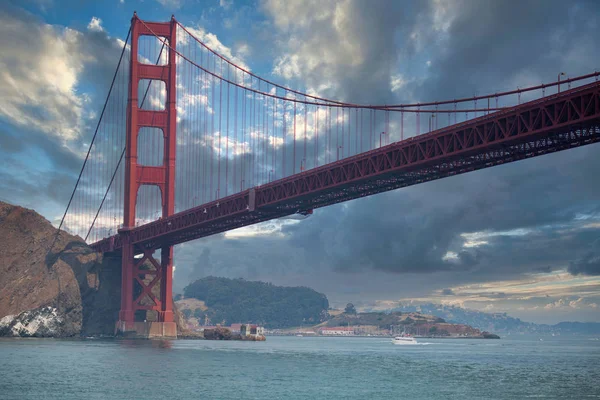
(293, 368)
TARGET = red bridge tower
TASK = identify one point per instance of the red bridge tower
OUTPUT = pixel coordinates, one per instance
(137, 294)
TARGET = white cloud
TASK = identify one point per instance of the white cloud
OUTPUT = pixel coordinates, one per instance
(575, 303)
(397, 82)
(288, 66)
(272, 229)
(212, 41)
(288, 14)
(450, 256)
(306, 51)
(95, 25)
(565, 304)
(243, 50)
(170, 3)
(40, 69)
(443, 14)
(474, 243)
(226, 4)
(320, 89)
(556, 304)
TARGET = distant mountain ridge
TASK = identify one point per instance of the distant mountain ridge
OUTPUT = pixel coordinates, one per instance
(498, 322)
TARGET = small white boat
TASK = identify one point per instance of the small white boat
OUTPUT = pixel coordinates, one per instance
(404, 339)
(299, 335)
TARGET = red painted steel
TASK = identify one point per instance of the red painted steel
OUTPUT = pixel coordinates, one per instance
(554, 123)
(137, 175)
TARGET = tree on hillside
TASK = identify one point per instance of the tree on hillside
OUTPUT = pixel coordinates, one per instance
(350, 309)
(187, 313)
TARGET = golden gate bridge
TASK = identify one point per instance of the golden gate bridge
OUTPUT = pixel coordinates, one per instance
(190, 143)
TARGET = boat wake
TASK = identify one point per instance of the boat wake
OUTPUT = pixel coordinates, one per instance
(412, 344)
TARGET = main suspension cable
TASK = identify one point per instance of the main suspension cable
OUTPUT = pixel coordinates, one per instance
(383, 107)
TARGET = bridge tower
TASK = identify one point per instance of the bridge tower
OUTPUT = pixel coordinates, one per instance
(137, 294)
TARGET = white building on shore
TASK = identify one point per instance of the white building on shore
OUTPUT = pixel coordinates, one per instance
(337, 331)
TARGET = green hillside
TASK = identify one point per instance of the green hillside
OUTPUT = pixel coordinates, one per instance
(238, 300)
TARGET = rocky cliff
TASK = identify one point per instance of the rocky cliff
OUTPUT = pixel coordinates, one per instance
(67, 291)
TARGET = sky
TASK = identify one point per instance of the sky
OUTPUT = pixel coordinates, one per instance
(522, 238)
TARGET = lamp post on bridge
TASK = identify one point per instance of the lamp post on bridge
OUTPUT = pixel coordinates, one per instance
(338, 152)
(559, 75)
(270, 175)
(302, 164)
(380, 135)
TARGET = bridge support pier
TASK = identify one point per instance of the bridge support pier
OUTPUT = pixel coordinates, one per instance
(166, 284)
(146, 293)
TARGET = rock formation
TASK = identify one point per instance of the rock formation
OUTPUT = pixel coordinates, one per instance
(68, 290)
(64, 291)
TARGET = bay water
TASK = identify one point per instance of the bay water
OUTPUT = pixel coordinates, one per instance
(301, 368)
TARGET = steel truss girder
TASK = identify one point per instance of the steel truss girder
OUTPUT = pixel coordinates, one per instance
(551, 124)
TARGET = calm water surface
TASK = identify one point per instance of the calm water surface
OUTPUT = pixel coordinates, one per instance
(300, 368)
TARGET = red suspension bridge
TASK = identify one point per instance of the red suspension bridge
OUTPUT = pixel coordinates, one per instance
(191, 143)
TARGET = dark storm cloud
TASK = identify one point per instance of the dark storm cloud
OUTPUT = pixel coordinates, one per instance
(490, 46)
(412, 229)
(587, 265)
(385, 243)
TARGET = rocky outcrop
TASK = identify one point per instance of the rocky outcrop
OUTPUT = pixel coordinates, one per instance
(41, 322)
(218, 334)
(64, 291)
(221, 333)
(487, 335)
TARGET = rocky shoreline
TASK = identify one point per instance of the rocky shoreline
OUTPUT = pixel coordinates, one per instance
(226, 334)
(40, 322)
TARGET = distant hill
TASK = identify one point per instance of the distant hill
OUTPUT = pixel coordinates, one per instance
(237, 300)
(584, 328)
(414, 323)
(498, 322)
(382, 320)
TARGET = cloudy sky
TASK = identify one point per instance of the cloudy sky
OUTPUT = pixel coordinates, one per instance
(522, 238)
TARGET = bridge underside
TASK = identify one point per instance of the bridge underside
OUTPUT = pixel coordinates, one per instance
(560, 122)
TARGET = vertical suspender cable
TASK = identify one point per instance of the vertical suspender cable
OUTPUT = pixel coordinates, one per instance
(91, 144)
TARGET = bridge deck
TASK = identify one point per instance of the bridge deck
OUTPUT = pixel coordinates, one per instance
(554, 123)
